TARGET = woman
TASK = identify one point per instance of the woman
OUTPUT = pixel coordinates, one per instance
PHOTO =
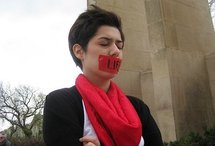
(95, 111)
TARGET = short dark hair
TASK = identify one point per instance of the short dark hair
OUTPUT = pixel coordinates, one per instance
(87, 24)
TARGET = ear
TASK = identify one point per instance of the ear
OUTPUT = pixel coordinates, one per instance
(78, 51)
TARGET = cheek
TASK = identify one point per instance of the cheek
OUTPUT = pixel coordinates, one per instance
(121, 55)
(93, 51)
(92, 56)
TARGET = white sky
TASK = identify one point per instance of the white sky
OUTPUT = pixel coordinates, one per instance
(33, 43)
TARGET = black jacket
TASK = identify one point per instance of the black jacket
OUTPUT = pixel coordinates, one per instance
(64, 119)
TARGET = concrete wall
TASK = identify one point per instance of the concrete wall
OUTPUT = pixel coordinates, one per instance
(169, 61)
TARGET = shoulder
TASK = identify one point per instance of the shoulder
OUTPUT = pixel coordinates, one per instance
(138, 103)
(8, 143)
(64, 99)
(63, 92)
(141, 108)
(64, 95)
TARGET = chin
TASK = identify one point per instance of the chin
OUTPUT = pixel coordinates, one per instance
(108, 75)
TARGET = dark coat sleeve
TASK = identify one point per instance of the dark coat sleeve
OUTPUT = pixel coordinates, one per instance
(151, 132)
(63, 118)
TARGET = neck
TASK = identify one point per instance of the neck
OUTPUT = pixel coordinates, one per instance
(103, 84)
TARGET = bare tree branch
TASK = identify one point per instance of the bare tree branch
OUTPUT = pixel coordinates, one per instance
(19, 106)
(211, 2)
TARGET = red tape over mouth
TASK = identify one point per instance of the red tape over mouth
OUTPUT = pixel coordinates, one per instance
(109, 64)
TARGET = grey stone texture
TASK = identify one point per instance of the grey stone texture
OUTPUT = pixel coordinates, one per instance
(169, 61)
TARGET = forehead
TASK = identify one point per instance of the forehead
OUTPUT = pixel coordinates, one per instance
(109, 32)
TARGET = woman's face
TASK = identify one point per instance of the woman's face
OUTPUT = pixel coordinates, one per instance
(106, 42)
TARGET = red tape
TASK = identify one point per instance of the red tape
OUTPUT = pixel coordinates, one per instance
(109, 64)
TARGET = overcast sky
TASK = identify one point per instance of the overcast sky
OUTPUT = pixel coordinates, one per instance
(33, 43)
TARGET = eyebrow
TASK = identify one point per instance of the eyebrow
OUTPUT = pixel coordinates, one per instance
(110, 39)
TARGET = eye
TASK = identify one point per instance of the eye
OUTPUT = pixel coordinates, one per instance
(104, 44)
(120, 46)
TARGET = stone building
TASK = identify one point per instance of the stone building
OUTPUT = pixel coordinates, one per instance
(169, 61)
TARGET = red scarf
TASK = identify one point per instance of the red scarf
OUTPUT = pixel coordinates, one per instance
(113, 117)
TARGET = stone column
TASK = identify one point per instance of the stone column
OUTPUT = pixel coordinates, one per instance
(180, 36)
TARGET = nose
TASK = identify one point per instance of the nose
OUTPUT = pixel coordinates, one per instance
(114, 51)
